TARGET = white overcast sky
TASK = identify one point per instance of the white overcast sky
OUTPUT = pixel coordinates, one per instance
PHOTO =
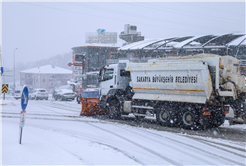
(44, 29)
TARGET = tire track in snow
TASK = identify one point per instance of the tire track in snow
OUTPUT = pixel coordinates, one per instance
(140, 146)
(42, 114)
(125, 153)
(209, 143)
(57, 107)
(172, 147)
(71, 119)
(76, 111)
(167, 145)
(197, 148)
(213, 144)
(125, 129)
(131, 157)
(78, 135)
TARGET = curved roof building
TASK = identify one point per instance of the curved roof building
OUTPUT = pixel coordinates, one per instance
(188, 42)
(233, 44)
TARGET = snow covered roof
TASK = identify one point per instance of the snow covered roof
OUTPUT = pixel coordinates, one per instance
(48, 69)
(97, 45)
(241, 40)
(221, 40)
(138, 45)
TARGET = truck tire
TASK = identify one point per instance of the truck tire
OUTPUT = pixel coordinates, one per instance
(163, 117)
(113, 109)
(217, 119)
(190, 119)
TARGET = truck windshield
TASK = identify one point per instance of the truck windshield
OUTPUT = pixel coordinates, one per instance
(108, 74)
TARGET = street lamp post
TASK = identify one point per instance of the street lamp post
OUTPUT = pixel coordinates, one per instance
(14, 67)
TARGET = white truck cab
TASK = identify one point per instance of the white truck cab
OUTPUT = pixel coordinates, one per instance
(114, 77)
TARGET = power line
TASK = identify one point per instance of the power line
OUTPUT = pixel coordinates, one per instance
(139, 16)
(132, 4)
(208, 7)
(107, 17)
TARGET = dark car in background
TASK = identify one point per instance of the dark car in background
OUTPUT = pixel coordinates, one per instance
(39, 94)
(64, 94)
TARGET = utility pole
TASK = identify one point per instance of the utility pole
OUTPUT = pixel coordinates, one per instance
(14, 67)
(1, 66)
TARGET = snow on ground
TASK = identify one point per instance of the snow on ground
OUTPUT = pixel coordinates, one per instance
(55, 134)
(238, 126)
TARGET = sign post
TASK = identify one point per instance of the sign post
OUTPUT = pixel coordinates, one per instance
(4, 90)
(24, 102)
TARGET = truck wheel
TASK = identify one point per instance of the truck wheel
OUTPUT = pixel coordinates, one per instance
(113, 109)
(190, 119)
(163, 117)
(217, 119)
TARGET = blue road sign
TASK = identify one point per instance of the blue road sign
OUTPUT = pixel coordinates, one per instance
(1, 70)
(24, 98)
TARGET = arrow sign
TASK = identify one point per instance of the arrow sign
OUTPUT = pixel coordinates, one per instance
(1, 70)
(5, 88)
(24, 98)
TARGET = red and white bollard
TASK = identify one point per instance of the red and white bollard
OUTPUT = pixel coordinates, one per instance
(22, 123)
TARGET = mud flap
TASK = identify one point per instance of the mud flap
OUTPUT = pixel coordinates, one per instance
(239, 111)
(204, 120)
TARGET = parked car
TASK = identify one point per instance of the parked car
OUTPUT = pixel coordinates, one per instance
(17, 94)
(39, 94)
(64, 94)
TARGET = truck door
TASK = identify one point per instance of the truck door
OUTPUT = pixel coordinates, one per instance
(107, 80)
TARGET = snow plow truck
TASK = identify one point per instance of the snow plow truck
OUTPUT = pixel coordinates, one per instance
(191, 92)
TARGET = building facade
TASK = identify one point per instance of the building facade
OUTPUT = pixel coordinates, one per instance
(47, 77)
(95, 57)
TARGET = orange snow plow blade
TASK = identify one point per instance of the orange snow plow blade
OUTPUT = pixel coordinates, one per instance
(89, 103)
(89, 106)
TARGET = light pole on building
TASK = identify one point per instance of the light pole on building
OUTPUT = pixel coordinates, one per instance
(14, 67)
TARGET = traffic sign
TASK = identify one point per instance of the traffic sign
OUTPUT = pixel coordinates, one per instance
(5, 88)
(77, 64)
(1, 70)
(24, 98)
(70, 64)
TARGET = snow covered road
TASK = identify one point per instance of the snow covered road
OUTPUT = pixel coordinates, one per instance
(56, 135)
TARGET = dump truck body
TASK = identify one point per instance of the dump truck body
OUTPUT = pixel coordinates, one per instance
(190, 91)
(186, 81)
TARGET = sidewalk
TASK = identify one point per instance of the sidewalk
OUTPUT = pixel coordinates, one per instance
(7, 100)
